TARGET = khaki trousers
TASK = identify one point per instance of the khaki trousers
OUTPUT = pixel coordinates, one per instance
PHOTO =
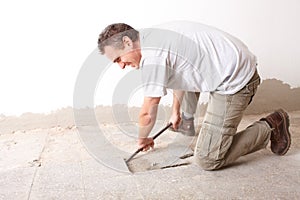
(219, 143)
(190, 102)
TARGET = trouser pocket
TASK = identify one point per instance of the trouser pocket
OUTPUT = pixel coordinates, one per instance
(204, 142)
(214, 142)
(250, 89)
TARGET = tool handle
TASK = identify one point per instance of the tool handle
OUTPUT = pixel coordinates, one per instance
(161, 131)
(154, 137)
(136, 152)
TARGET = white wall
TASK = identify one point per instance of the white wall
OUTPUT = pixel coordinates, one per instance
(43, 44)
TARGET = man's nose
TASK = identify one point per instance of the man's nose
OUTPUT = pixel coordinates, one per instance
(122, 65)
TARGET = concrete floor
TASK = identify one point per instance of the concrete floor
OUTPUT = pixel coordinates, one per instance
(54, 164)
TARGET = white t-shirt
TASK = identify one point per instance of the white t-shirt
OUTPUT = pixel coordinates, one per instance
(193, 57)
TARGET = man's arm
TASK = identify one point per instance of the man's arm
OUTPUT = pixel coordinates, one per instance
(177, 99)
(147, 120)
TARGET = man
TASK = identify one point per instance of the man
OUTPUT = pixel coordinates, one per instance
(186, 56)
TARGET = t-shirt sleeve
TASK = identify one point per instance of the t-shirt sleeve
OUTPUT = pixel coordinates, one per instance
(154, 76)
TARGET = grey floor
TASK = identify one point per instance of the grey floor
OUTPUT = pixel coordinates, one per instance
(54, 164)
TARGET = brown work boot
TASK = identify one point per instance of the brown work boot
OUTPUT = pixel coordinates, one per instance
(280, 136)
(186, 126)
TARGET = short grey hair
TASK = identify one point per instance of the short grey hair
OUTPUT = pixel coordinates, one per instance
(113, 34)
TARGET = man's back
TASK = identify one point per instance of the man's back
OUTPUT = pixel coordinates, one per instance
(201, 58)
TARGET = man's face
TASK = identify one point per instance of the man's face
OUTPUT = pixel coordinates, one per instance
(128, 56)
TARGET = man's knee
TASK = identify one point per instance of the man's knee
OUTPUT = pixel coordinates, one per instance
(207, 163)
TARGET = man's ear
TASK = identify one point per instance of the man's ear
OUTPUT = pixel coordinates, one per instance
(127, 41)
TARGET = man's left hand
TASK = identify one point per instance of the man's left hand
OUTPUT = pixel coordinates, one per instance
(146, 143)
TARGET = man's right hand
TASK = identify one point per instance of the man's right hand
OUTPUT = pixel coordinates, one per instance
(146, 143)
(175, 120)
